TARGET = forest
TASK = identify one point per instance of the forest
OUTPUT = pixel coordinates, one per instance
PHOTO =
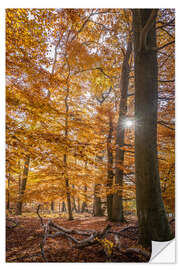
(90, 133)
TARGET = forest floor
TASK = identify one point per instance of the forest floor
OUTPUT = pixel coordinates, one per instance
(23, 241)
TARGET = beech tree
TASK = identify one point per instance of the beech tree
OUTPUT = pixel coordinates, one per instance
(152, 219)
(117, 206)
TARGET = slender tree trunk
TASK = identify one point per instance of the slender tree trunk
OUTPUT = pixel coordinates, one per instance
(84, 204)
(74, 208)
(74, 205)
(153, 223)
(63, 207)
(59, 207)
(110, 169)
(97, 209)
(8, 194)
(68, 195)
(117, 210)
(52, 206)
(23, 186)
(78, 209)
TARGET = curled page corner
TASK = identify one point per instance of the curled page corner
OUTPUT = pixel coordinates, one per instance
(163, 252)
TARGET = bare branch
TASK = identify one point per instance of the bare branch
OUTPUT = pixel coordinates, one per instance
(102, 25)
(165, 45)
(166, 81)
(38, 208)
(167, 33)
(104, 96)
(96, 68)
(165, 125)
(165, 24)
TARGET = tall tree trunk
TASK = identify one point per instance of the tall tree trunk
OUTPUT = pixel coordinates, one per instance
(110, 168)
(68, 195)
(63, 207)
(74, 208)
(84, 204)
(59, 206)
(153, 223)
(8, 193)
(52, 206)
(78, 209)
(117, 210)
(23, 186)
(97, 209)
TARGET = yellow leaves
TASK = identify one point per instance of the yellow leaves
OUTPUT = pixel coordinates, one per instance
(107, 245)
(88, 63)
(127, 190)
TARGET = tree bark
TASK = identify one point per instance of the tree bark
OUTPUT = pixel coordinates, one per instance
(97, 209)
(63, 207)
(8, 193)
(59, 207)
(84, 204)
(23, 186)
(110, 169)
(74, 208)
(78, 201)
(68, 195)
(152, 219)
(52, 206)
(117, 210)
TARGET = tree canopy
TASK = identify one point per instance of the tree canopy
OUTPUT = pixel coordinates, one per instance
(63, 87)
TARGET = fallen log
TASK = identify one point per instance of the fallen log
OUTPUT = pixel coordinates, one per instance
(92, 237)
(123, 235)
(50, 227)
(138, 251)
(80, 232)
(42, 244)
(130, 251)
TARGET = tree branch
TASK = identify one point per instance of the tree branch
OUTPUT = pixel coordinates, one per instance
(166, 81)
(147, 27)
(41, 220)
(165, 125)
(96, 68)
(165, 24)
(165, 45)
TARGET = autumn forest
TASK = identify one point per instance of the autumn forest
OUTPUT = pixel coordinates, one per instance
(90, 133)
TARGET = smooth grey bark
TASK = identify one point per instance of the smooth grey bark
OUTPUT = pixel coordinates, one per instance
(23, 186)
(117, 210)
(110, 168)
(152, 219)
